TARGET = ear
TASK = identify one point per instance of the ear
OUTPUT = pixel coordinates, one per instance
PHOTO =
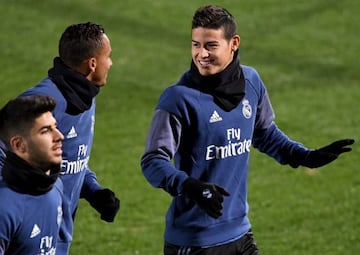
(18, 144)
(92, 64)
(235, 42)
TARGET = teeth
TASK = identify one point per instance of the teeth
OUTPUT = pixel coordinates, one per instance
(204, 62)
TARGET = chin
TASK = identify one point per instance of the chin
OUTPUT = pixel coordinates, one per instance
(57, 160)
(207, 73)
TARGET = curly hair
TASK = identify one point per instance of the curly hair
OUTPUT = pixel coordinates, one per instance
(79, 42)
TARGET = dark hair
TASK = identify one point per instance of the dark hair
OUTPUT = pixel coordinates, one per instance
(215, 17)
(19, 114)
(79, 42)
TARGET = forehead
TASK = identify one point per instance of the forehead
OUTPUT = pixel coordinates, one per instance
(105, 49)
(207, 34)
(45, 119)
(106, 42)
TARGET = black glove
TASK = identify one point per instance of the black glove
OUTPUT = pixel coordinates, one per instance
(106, 203)
(207, 196)
(327, 154)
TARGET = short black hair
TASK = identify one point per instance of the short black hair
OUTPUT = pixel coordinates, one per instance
(215, 17)
(80, 42)
(19, 114)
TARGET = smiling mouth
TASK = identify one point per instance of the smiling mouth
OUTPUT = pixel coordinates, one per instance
(205, 63)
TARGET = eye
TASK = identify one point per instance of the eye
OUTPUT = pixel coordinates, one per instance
(44, 131)
(212, 45)
(195, 44)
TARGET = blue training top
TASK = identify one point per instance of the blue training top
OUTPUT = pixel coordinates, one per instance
(77, 177)
(29, 224)
(212, 145)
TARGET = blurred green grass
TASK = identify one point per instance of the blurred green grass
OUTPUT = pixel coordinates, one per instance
(307, 53)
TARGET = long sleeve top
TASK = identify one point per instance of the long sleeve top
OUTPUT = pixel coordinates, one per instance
(192, 136)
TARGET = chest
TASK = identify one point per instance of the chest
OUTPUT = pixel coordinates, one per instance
(38, 222)
(212, 123)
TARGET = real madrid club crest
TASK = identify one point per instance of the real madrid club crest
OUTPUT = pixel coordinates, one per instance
(246, 109)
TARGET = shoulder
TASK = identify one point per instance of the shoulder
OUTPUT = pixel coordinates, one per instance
(48, 87)
(45, 87)
(181, 89)
(171, 94)
(250, 73)
(178, 97)
(12, 203)
(253, 79)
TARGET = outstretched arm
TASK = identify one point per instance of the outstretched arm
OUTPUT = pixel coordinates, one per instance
(268, 138)
(276, 144)
(327, 154)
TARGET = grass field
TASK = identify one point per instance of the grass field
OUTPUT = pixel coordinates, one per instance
(308, 55)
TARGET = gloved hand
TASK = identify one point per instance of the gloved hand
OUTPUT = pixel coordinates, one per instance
(207, 196)
(106, 203)
(327, 154)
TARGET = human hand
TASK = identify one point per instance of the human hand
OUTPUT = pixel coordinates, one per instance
(207, 196)
(327, 154)
(106, 203)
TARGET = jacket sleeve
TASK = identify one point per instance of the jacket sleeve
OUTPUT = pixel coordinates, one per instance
(269, 139)
(2, 246)
(9, 226)
(161, 145)
(90, 184)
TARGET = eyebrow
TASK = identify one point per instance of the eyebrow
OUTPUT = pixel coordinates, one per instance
(45, 127)
(206, 42)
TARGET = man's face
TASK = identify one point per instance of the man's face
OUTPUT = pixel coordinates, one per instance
(43, 144)
(210, 51)
(103, 63)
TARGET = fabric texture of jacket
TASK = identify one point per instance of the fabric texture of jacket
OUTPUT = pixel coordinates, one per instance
(29, 223)
(211, 145)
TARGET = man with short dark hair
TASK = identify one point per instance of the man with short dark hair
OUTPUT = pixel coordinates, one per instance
(207, 123)
(78, 73)
(30, 190)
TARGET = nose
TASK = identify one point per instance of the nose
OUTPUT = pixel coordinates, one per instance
(59, 136)
(204, 53)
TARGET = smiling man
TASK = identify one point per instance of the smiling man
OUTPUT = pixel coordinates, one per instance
(206, 124)
(213, 49)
